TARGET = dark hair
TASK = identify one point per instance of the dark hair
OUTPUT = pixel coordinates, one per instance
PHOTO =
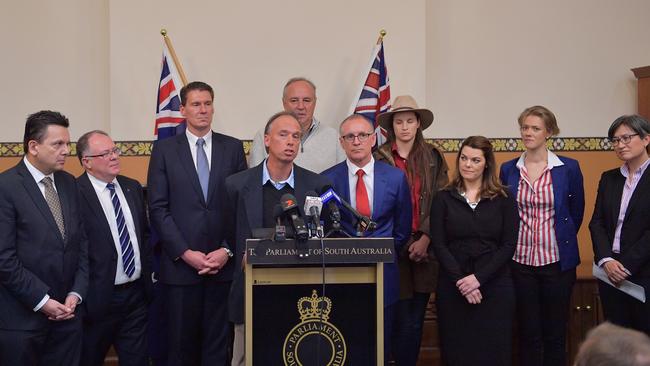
(419, 159)
(491, 186)
(267, 127)
(195, 85)
(545, 114)
(635, 123)
(37, 124)
(82, 143)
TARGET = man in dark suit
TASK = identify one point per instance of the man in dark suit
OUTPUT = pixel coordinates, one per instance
(43, 251)
(252, 196)
(379, 191)
(187, 211)
(115, 220)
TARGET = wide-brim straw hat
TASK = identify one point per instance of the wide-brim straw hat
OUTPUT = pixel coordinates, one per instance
(405, 103)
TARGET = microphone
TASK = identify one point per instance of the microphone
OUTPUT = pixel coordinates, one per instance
(313, 207)
(364, 223)
(280, 230)
(290, 208)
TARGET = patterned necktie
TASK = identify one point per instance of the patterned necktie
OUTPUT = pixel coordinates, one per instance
(363, 205)
(128, 256)
(202, 167)
(52, 199)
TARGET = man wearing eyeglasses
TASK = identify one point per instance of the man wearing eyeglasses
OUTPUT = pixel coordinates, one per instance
(378, 191)
(115, 221)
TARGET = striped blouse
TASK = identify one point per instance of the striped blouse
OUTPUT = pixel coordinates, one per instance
(537, 244)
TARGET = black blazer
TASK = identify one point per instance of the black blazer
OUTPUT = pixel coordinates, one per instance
(179, 214)
(34, 259)
(244, 194)
(479, 242)
(635, 233)
(102, 253)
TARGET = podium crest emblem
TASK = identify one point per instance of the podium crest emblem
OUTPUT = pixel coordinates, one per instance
(314, 340)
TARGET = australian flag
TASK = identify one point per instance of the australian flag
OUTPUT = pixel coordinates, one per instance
(375, 94)
(169, 120)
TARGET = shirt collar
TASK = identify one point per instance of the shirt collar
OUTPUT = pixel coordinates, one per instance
(36, 174)
(625, 170)
(192, 138)
(368, 169)
(552, 159)
(99, 184)
(278, 185)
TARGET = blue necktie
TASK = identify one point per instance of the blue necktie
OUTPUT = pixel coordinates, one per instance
(202, 167)
(128, 256)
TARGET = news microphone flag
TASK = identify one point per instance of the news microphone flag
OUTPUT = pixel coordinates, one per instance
(375, 93)
(169, 120)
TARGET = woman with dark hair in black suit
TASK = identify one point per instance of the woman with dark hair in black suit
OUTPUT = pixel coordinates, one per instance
(474, 224)
(620, 226)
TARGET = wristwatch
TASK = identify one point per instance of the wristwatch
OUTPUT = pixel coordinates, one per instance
(228, 251)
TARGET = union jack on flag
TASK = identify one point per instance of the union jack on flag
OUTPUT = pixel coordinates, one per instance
(169, 120)
(375, 94)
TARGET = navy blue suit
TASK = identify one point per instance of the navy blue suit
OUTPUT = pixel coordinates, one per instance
(184, 219)
(35, 260)
(115, 314)
(569, 196)
(391, 211)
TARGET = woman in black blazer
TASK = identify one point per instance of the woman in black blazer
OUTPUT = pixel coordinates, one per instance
(620, 226)
(474, 226)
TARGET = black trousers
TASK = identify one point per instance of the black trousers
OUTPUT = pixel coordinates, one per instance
(543, 297)
(57, 344)
(624, 310)
(124, 325)
(197, 324)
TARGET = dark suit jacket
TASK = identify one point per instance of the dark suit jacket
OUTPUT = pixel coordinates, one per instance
(179, 214)
(392, 211)
(34, 259)
(244, 192)
(569, 196)
(635, 233)
(480, 241)
(102, 253)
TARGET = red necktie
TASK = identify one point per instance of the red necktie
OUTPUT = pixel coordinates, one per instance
(363, 205)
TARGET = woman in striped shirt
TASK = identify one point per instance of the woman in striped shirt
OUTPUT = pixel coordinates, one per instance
(550, 198)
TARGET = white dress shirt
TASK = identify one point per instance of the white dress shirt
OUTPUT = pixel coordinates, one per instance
(104, 196)
(207, 146)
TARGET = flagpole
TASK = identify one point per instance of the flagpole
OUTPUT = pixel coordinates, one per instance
(382, 34)
(179, 67)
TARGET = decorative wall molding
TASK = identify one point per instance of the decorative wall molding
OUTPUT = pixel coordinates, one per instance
(501, 144)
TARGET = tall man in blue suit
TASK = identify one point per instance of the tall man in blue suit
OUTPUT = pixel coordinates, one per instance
(376, 190)
(43, 251)
(187, 210)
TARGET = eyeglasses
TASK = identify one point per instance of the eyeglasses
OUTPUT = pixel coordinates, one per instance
(625, 139)
(362, 137)
(116, 150)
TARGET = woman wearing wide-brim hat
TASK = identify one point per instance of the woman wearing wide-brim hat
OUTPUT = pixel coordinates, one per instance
(426, 172)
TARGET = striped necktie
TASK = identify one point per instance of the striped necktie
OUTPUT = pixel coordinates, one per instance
(128, 256)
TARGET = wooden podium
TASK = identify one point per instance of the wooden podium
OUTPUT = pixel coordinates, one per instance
(325, 308)
(643, 78)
